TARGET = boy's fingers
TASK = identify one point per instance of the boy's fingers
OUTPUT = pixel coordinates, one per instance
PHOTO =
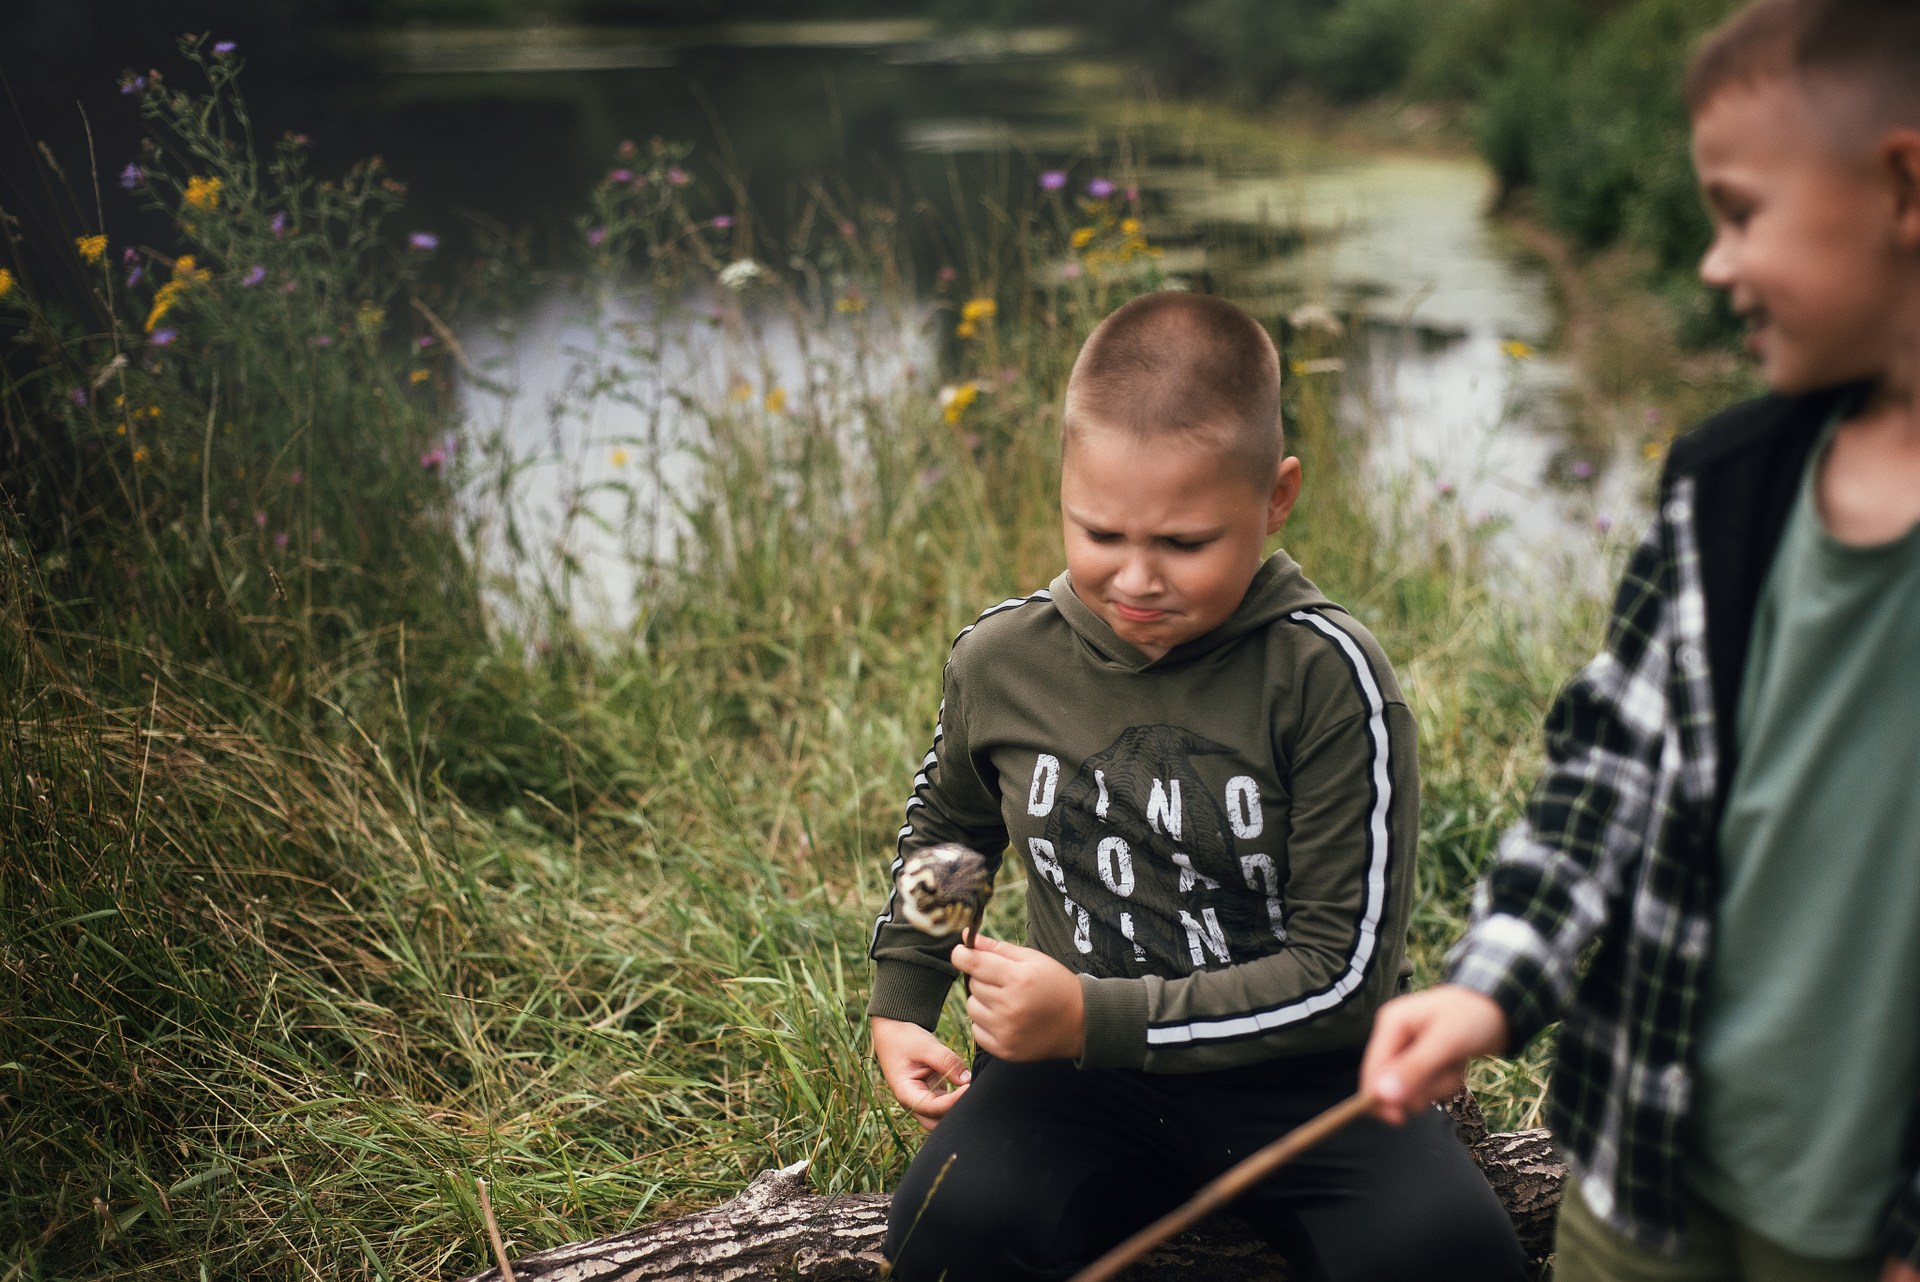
(934, 1105)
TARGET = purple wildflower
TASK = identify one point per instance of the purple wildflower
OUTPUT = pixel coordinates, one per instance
(1445, 489)
(1100, 188)
(1133, 195)
(596, 237)
(295, 477)
(224, 47)
(423, 241)
(678, 177)
(129, 255)
(626, 149)
(946, 275)
(255, 274)
(1582, 469)
(620, 176)
(79, 395)
(723, 221)
(130, 177)
(260, 520)
(278, 225)
(163, 337)
(321, 340)
(424, 341)
(280, 541)
(134, 277)
(1053, 180)
(434, 459)
(133, 85)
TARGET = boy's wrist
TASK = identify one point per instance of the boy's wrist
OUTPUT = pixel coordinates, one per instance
(1114, 1033)
(909, 993)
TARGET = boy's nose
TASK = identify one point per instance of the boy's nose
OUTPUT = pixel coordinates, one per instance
(1137, 577)
(1716, 265)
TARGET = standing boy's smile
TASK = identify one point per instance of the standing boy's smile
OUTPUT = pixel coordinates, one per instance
(1806, 237)
(1162, 538)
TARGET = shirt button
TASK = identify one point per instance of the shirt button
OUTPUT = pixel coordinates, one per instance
(1691, 660)
(1679, 511)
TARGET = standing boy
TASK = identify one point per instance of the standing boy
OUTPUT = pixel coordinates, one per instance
(1210, 771)
(1731, 813)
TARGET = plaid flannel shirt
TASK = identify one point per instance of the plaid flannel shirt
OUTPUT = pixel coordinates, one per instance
(1618, 846)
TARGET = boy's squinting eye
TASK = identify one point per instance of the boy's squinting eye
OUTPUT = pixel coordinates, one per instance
(1186, 545)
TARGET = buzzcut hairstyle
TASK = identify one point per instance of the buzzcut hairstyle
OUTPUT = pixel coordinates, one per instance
(1872, 45)
(1180, 366)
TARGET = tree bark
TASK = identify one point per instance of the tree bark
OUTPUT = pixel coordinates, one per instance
(779, 1231)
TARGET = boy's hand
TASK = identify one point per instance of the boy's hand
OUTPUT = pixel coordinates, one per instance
(921, 1071)
(1899, 1271)
(1421, 1044)
(1024, 1005)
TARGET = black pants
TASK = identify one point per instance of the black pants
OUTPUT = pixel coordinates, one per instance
(1040, 1168)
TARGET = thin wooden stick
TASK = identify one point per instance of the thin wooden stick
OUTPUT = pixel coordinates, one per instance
(1228, 1186)
(493, 1230)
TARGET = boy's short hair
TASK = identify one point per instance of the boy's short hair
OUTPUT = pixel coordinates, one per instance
(1186, 366)
(1873, 45)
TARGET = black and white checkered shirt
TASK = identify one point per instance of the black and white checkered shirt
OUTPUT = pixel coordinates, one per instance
(1600, 905)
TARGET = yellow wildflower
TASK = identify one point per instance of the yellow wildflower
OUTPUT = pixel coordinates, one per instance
(419, 375)
(777, 401)
(619, 458)
(1129, 226)
(954, 400)
(163, 300)
(850, 303)
(153, 411)
(1653, 449)
(977, 309)
(203, 193)
(742, 390)
(965, 329)
(1518, 350)
(1082, 237)
(369, 317)
(6, 282)
(140, 455)
(120, 430)
(91, 248)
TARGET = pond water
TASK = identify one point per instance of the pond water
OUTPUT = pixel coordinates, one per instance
(1438, 320)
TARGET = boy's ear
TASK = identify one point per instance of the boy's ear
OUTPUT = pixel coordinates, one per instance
(1286, 492)
(1900, 159)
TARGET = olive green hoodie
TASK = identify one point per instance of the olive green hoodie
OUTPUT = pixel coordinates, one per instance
(1220, 842)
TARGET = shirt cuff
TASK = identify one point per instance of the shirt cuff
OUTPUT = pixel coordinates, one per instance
(1506, 959)
(1116, 1023)
(904, 991)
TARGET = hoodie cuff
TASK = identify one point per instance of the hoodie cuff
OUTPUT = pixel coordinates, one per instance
(1116, 1023)
(904, 991)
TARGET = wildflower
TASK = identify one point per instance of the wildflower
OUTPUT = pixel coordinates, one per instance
(133, 84)
(1053, 180)
(369, 317)
(434, 459)
(723, 221)
(946, 275)
(1444, 489)
(1129, 226)
(740, 273)
(1651, 450)
(255, 274)
(424, 241)
(979, 309)
(1081, 238)
(224, 47)
(619, 458)
(163, 337)
(620, 176)
(280, 541)
(678, 177)
(626, 150)
(1582, 469)
(277, 225)
(596, 237)
(419, 376)
(424, 341)
(92, 248)
(6, 282)
(130, 177)
(1070, 272)
(1133, 194)
(1602, 524)
(295, 477)
(954, 399)
(1518, 350)
(203, 193)
(777, 401)
(1100, 188)
(847, 229)
(260, 520)
(79, 395)
(852, 301)
(140, 454)
(742, 391)
(321, 340)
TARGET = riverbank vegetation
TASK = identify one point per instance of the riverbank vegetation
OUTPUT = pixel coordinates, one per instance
(343, 858)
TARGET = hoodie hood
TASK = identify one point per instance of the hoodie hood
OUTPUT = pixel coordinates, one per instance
(1279, 588)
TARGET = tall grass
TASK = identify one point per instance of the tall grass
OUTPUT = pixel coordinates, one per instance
(339, 869)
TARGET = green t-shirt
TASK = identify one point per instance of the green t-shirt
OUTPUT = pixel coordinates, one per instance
(1810, 1053)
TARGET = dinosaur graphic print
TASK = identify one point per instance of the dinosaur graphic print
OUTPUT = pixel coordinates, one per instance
(1157, 867)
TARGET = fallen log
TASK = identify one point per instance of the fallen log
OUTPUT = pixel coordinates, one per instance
(778, 1230)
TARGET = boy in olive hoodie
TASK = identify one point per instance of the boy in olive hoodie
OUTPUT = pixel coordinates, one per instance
(1210, 771)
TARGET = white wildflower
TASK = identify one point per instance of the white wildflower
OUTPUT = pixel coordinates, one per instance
(740, 273)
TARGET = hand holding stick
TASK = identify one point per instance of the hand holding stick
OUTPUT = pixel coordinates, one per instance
(1228, 1186)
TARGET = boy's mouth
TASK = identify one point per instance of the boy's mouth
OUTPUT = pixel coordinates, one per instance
(1134, 614)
